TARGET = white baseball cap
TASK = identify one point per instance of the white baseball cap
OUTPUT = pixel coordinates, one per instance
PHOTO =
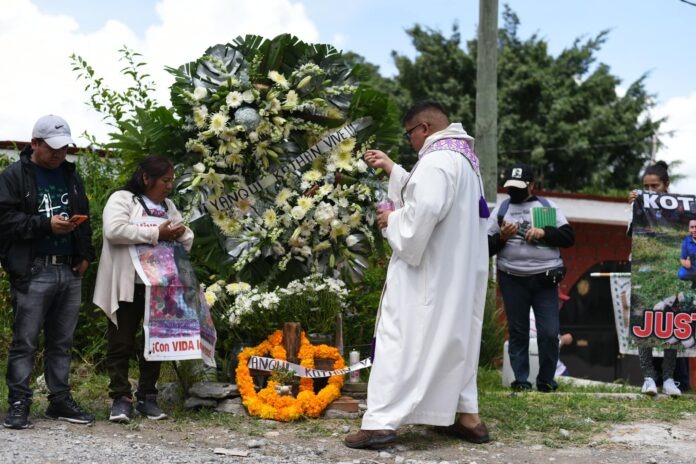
(53, 130)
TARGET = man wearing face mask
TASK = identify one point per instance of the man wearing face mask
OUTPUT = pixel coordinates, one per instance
(529, 271)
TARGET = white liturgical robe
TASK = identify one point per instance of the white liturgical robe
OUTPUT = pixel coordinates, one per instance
(429, 328)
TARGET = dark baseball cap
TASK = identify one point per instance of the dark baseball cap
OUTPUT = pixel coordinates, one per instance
(519, 175)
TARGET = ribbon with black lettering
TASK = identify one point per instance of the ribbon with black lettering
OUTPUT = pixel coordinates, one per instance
(268, 364)
(227, 201)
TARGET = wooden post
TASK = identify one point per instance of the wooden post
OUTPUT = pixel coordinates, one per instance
(339, 333)
(291, 340)
(486, 97)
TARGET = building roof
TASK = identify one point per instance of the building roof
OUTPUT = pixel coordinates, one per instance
(593, 209)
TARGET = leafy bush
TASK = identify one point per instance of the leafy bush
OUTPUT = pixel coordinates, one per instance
(493, 331)
(97, 173)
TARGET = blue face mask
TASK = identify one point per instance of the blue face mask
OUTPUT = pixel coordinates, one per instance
(518, 195)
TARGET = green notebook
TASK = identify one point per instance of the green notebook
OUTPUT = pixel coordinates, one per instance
(542, 217)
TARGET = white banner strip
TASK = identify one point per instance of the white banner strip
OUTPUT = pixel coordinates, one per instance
(228, 200)
(268, 364)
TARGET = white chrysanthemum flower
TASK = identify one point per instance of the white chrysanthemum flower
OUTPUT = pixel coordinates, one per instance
(347, 145)
(311, 176)
(199, 168)
(248, 96)
(270, 218)
(218, 122)
(237, 287)
(234, 99)
(325, 190)
(278, 78)
(215, 288)
(200, 93)
(305, 203)
(268, 300)
(343, 160)
(298, 212)
(283, 197)
(210, 298)
(253, 137)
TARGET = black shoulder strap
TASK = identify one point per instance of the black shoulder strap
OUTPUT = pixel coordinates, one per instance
(502, 210)
(545, 203)
(147, 210)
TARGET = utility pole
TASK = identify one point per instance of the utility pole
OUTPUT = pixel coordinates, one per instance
(487, 97)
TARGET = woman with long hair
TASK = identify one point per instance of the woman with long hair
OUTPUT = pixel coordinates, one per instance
(120, 292)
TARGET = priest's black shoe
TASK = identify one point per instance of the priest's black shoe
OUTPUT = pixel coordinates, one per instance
(370, 438)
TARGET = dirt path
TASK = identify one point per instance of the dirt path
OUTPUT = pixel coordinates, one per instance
(258, 442)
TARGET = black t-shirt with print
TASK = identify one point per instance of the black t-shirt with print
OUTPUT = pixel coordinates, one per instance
(52, 199)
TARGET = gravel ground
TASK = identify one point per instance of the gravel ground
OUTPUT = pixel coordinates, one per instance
(175, 442)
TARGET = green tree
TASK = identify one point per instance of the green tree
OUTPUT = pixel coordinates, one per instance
(561, 114)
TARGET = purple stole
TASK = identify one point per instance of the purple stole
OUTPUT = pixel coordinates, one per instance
(462, 147)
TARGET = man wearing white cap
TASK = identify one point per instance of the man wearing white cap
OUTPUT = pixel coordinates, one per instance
(45, 247)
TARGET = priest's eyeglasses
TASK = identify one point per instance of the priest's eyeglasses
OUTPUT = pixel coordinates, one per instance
(407, 134)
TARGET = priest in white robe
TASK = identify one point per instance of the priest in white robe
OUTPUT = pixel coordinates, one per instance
(428, 332)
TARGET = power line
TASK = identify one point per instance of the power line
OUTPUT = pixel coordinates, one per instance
(689, 3)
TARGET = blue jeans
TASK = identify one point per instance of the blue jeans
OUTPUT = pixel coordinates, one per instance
(519, 294)
(51, 302)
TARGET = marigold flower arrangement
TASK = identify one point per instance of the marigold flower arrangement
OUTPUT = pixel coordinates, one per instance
(267, 404)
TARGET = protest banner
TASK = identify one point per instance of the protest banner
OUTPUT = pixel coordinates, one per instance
(662, 310)
(177, 322)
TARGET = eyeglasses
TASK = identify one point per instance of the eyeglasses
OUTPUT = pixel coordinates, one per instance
(407, 134)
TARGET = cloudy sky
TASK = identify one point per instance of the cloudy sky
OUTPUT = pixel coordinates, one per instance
(38, 36)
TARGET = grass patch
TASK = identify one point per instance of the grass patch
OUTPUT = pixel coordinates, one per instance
(534, 417)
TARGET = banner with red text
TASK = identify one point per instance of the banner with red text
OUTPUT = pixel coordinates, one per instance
(177, 322)
(663, 278)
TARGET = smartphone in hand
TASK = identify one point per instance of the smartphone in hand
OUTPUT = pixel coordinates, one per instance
(78, 219)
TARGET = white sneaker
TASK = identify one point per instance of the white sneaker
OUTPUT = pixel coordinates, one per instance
(671, 388)
(649, 387)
